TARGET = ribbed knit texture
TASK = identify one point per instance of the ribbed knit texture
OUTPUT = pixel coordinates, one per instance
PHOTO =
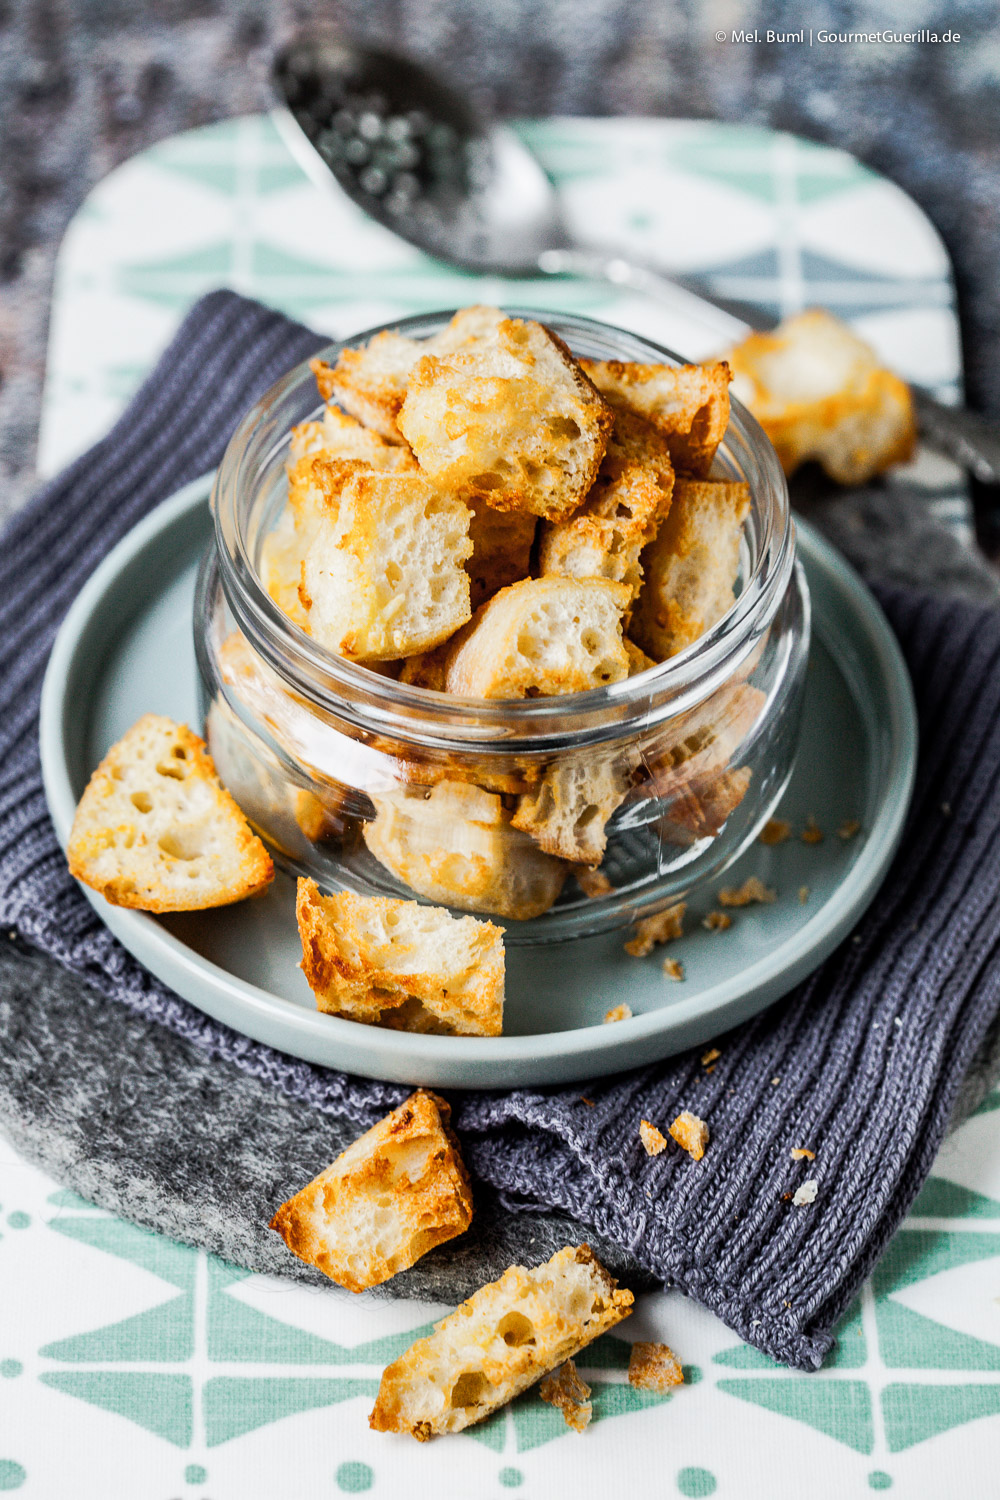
(862, 1063)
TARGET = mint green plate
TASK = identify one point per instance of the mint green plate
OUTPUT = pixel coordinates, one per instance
(125, 649)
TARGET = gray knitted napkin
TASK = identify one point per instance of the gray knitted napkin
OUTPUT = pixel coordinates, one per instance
(137, 1099)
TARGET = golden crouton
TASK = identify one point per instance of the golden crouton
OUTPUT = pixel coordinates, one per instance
(622, 513)
(654, 1367)
(689, 404)
(370, 383)
(454, 845)
(428, 669)
(383, 578)
(653, 1140)
(400, 964)
(398, 1191)
(155, 829)
(819, 392)
(691, 566)
(498, 1343)
(543, 636)
(567, 812)
(691, 1133)
(564, 1390)
(638, 661)
(509, 419)
(501, 549)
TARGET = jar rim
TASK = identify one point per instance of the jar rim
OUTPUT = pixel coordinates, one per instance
(382, 704)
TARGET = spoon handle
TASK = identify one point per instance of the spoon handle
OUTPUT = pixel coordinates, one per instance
(970, 440)
(730, 320)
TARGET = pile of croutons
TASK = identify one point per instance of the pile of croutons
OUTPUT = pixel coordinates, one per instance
(483, 515)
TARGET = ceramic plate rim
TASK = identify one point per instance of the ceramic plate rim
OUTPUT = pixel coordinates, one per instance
(538, 1057)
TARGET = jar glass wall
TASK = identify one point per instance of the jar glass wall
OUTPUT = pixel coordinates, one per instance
(380, 787)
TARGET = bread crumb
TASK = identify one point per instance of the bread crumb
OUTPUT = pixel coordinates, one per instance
(654, 1367)
(812, 833)
(848, 829)
(775, 1082)
(691, 1133)
(717, 921)
(654, 1140)
(662, 927)
(621, 1012)
(564, 1389)
(593, 883)
(710, 1056)
(803, 894)
(673, 968)
(588, 1102)
(798, 1152)
(775, 831)
(752, 889)
(806, 1193)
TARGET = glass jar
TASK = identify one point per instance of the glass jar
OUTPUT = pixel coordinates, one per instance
(375, 786)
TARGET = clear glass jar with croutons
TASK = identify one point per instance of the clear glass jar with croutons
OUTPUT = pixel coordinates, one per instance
(505, 618)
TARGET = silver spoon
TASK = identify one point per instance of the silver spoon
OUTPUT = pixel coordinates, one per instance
(415, 155)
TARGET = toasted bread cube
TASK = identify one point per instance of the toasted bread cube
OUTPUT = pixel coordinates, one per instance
(398, 1191)
(304, 439)
(543, 636)
(384, 578)
(568, 811)
(689, 404)
(654, 1367)
(155, 829)
(281, 556)
(638, 661)
(344, 437)
(691, 567)
(700, 808)
(370, 383)
(509, 419)
(690, 1132)
(564, 1390)
(455, 846)
(428, 669)
(400, 964)
(622, 513)
(819, 392)
(498, 1343)
(501, 549)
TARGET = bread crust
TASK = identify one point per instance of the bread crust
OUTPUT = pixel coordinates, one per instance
(397, 1192)
(155, 829)
(498, 1343)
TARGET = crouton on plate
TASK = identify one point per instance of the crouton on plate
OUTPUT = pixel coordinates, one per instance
(399, 964)
(155, 829)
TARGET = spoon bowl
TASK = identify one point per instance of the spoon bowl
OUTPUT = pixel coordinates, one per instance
(416, 156)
